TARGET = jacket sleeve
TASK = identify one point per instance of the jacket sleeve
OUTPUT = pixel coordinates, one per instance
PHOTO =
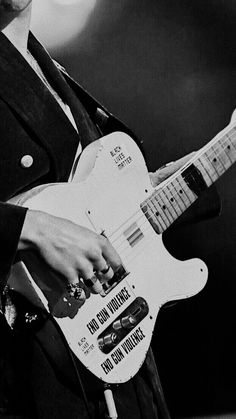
(11, 222)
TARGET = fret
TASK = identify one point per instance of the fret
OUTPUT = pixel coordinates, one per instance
(171, 193)
(231, 136)
(155, 223)
(230, 148)
(217, 159)
(165, 205)
(178, 195)
(202, 165)
(219, 153)
(156, 213)
(214, 172)
(191, 197)
(216, 162)
(187, 196)
(159, 211)
(170, 202)
(227, 162)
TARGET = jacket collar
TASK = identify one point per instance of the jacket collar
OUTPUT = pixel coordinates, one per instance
(30, 99)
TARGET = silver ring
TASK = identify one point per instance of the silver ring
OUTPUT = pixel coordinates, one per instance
(75, 291)
(105, 271)
(89, 282)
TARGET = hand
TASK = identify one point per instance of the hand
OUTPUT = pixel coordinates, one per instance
(164, 172)
(70, 250)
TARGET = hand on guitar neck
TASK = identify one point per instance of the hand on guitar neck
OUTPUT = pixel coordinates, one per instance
(169, 169)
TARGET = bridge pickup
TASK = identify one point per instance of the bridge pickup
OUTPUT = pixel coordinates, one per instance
(118, 276)
(122, 325)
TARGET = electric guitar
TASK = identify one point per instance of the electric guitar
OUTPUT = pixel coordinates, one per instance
(111, 332)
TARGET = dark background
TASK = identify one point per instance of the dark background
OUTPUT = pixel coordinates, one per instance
(167, 68)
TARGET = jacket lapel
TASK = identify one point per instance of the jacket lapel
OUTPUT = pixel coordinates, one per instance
(37, 108)
(86, 128)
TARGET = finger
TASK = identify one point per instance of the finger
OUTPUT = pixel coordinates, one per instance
(103, 270)
(110, 255)
(94, 285)
(106, 274)
(169, 169)
(90, 279)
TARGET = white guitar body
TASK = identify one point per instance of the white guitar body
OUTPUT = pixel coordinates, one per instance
(111, 182)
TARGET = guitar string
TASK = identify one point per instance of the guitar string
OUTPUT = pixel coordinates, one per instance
(127, 253)
(149, 217)
(184, 185)
(146, 217)
(224, 166)
(173, 195)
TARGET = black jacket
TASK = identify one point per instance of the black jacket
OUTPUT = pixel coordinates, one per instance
(32, 123)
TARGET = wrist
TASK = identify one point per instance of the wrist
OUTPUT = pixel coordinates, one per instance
(32, 230)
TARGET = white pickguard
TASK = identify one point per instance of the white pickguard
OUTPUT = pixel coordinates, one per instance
(111, 182)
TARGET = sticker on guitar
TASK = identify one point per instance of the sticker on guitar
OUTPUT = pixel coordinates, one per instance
(121, 156)
(123, 350)
(105, 313)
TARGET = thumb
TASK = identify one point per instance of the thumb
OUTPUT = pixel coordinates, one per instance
(168, 169)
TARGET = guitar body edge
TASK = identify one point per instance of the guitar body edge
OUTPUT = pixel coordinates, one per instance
(111, 183)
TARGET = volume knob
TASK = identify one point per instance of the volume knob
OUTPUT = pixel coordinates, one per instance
(108, 341)
(126, 322)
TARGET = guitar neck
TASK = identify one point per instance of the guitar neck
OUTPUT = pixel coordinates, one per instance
(176, 194)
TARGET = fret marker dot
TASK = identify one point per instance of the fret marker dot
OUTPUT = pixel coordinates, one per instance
(180, 191)
(228, 147)
(172, 199)
(215, 159)
(164, 207)
(157, 214)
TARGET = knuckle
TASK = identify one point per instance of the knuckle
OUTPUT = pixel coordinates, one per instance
(104, 241)
(85, 270)
(70, 274)
(95, 254)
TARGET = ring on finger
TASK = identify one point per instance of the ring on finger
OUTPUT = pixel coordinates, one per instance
(94, 284)
(75, 291)
(105, 274)
(106, 270)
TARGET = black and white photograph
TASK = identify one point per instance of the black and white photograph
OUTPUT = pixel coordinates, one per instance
(117, 209)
